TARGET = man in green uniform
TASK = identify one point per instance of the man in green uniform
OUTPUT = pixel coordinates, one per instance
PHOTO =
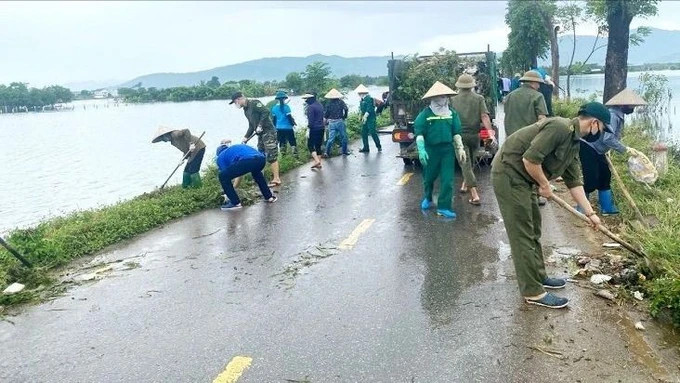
(528, 159)
(190, 145)
(471, 108)
(260, 123)
(368, 117)
(525, 105)
(437, 130)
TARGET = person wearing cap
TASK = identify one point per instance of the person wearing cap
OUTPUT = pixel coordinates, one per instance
(525, 105)
(260, 123)
(189, 144)
(368, 119)
(528, 159)
(336, 114)
(471, 108)
(596, 172)
(284, 122)
(438, 130)
(316, 127)
(234, 161)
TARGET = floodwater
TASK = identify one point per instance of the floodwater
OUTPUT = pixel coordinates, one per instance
(55, 163)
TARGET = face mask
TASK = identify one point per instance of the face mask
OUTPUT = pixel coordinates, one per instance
(592, 137)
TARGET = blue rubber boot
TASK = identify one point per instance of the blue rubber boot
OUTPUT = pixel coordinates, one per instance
(425, 204)
(607, 205)
(446, 213)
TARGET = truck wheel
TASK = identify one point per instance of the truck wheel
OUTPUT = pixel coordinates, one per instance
(407, 161)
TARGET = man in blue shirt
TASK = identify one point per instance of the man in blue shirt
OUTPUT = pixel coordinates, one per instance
(315, 124)
(234, 161)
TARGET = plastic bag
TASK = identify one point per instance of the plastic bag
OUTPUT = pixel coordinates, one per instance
(642, 169)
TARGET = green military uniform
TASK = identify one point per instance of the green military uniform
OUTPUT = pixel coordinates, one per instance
(258, 115)
(182, 140)
(438, 132)
(368, 128)
(484, 90)
(553, 143)
(470, 107)
(522, 108)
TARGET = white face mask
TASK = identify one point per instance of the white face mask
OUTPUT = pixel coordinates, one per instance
(440, 106)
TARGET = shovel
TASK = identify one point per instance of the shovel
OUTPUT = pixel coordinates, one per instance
(180, 163)
(601, 228)
(626, 194)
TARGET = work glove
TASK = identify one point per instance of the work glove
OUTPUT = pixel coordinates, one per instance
(244, 140)
(422, 153)
(259, 130)
(192, 146)
(460, 149)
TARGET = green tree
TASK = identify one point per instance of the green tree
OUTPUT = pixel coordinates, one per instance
(214, 82)
(294, 82)
(529, 38)
(616, 16)
(316, 77)
(350, 81)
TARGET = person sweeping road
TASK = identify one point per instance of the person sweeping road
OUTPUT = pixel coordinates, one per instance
(189, 144)
(471, 108)
(596, 173)
(234, 161)
(438, 130)
(528, 159)
(260, 123)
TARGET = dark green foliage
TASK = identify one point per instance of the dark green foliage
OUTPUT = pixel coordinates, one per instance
(18, 95)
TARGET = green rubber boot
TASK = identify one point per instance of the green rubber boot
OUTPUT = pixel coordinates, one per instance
(196, 181)
(186, 180)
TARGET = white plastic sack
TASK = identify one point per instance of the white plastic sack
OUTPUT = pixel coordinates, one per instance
(642, 169)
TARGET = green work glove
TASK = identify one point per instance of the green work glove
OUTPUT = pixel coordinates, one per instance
(460, 149)
(422, 153)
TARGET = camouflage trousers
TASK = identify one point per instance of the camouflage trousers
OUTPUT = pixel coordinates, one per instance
(268, 143)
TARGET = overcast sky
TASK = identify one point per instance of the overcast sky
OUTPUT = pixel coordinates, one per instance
(64, 42)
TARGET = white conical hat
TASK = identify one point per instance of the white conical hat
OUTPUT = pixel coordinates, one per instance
(626, 97)
(333, 93)
(306, 96)
(361, 89)
(162, 130)
(439, 89)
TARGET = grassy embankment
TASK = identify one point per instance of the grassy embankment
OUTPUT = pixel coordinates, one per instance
(57, 241)
(659, 203)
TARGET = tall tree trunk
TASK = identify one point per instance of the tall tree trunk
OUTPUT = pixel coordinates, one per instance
(534, 62)
(555, 53)
(616, 64)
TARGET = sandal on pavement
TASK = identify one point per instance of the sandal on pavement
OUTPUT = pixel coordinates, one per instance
(274, 184)
(475, 202)
(316, 166)
(550, 301)
(273, 199)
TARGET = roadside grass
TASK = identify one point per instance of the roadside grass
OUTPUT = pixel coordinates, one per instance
(57, 241)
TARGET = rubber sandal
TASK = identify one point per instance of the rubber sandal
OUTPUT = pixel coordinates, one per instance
(274, 184)
(316, 166)
(462, 191)
(474, 202)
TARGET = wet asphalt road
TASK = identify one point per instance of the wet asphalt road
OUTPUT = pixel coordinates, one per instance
(416, 299)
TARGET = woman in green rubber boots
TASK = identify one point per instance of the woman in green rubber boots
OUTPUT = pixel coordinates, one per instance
(438, 130)
(189, 144)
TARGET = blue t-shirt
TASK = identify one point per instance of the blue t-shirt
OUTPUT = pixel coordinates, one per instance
(235, 153)
(281, 116)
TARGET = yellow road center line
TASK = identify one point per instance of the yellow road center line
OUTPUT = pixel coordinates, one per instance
(404, 179)
(234, 370)
(350, 241)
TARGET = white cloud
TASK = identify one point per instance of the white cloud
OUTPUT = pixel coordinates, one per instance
(496, 38)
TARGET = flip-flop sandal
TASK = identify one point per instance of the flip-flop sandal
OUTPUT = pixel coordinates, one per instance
(316, 166)
(475, 202)
(462, 191)
(274, 184)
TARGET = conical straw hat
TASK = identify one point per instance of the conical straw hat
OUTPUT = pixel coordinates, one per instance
(465, 81)
(531, 76)
(333, 93)
(306, 96)
(626, 97)
(361, 89)
(162, 130)
(439, 89)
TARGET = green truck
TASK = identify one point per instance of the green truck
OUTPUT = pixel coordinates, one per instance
(405, 104)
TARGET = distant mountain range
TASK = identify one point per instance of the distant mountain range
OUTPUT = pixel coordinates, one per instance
(661, 46)
(266, 69)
